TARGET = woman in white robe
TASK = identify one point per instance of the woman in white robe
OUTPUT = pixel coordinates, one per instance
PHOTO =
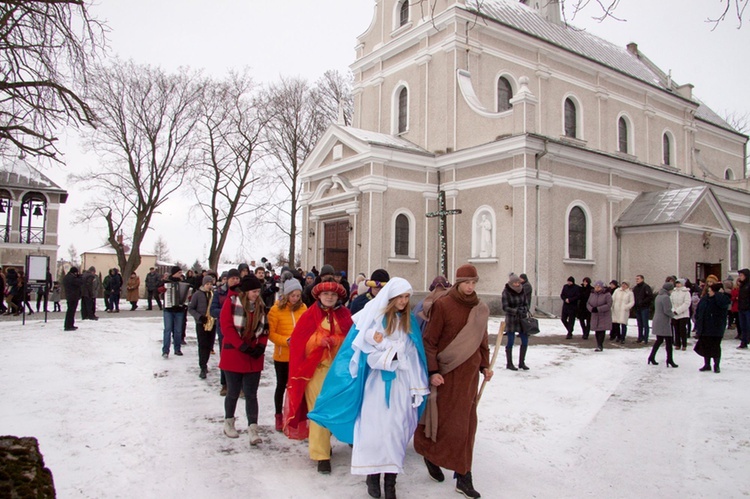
(394, 389)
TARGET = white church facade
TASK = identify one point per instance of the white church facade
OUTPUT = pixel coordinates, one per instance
(565, 154)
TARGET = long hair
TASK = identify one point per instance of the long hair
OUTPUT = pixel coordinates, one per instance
(391, 314)
(257, 309)
(284, 301)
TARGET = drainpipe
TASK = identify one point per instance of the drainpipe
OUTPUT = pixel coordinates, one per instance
(537, 157)
(618, 265)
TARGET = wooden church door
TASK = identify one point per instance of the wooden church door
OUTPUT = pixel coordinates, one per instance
(336, 245)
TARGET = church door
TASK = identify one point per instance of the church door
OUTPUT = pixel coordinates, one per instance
(336, 245)
(703, 270)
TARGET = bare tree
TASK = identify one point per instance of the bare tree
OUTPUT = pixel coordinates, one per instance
(161, 251)
(296, 121)
(44, 46)
(146, 142)
(230, 125)
(738, 120)
(335, 91)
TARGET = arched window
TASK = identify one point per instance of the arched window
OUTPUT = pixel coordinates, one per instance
(33, 218)
(401, 239)
(403, 110)
(577, 233)
(728, 174)
(504, 94)
(622, 135)
(734, 252)
(666, 146)
(6, 203)
(571, 118)
(403, 13)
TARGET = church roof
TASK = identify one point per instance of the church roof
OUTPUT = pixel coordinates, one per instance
(382, 139)
(661, 207)
(18, 173)
(518, 16)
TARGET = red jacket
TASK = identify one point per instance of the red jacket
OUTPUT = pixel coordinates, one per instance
(232, 359)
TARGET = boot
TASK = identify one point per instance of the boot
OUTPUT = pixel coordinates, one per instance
(434, 470)
(324, 466)
(252, 430)
(509, 359)
(229, 428)
(716, 365)
(279, 422)
(223, 391)
(390, 485)
(670, 362)
(373, 485)
(464, 485)
(600, 335)
(652, 357)
(202, 374)
(522, 358)
(706, 364)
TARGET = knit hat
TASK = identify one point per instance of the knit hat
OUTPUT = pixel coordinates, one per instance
(668, 286)
(378, 279)
(249, 283)
(513, 279)
(326, 270)
(175, 269)
(208, 280)
(599, 283)
(329, 286)
(439, 281)
(292, 285)
(310, 274)
(523, 276)
(465, 273)
(572, 280)
(233, 273)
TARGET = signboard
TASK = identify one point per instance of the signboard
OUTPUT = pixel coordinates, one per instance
(36, 268)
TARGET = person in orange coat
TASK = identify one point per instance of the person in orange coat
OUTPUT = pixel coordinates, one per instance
(282, 318)
(314, 344)
(133, 290)
(245, 331)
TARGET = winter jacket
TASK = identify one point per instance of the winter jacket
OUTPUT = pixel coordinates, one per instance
(199, 304)
(711, 316)
(583, 300)
(601, 319)
(681, 300)
(527, 291)
(89, 285)
(515, 307)
(643, 295)
(115, 283)
(133, 288)
(572, 294)
(735, 296)
(72, 286)
(743, 298)
(152, 281)
(622, 301)
(662, 323)
(281, 322)
(236, 350)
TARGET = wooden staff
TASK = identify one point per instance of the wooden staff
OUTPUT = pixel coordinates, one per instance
(498, 341)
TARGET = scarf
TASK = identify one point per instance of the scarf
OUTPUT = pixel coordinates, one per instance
(463, 346)
(240, 316)
(436, 293)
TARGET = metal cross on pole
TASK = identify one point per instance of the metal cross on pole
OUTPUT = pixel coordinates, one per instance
(442, 213)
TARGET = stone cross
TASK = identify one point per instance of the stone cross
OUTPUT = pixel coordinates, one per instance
(442, 213)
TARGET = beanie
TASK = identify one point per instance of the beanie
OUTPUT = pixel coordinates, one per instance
(292, 285)
(378, 279)
(572, 280)
(466, 272)
(513, 279)
(175, 269)
(233, 273)
(668, 286)
(249, 283)
(599, 283)
(327, 270)
(208, 279)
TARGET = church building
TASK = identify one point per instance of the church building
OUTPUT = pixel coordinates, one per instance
(491, 132)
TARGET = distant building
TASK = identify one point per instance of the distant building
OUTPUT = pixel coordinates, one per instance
(105, 258)
(567, 155)
(29, 215)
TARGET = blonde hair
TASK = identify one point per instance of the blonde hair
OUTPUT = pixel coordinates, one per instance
(284, 301)
(391, 314)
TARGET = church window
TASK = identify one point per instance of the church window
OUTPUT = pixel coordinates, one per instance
(504, 94)
(571, 118)
(728, 174)
(577, 233)
(403, 110)
(6, 204)
(403, 13)
(622, 135)
(666, 149)
(734, 252)
(402, 235)
(33, 218)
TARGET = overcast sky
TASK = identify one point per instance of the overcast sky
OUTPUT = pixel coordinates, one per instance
(306, 38)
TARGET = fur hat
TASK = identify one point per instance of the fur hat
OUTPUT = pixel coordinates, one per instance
(249, 283)
(329, 286)
(466, 272)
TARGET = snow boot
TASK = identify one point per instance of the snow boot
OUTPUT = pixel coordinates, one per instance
(252, 430)
(229, 428)
(434, 470)
(324, 466)
(509, 360)
(464, 485)
(373, 485)
(390, 486)
(522, 358)
(279, 422)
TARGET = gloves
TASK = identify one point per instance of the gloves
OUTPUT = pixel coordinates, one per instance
(257, 351)
(203, 319)
(594, 310)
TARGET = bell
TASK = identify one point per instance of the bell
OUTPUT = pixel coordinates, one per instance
(38, 211)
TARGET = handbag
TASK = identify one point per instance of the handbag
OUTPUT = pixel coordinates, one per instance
(529, 325)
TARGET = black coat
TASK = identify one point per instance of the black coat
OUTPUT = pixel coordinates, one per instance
(512, 302)
(583, 299)
(743, 300)
(711, 316)
(72, 285)
(643, 295)
(572, 293)
(115, 283)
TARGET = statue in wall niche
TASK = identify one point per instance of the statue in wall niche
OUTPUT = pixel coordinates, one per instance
(485, 237)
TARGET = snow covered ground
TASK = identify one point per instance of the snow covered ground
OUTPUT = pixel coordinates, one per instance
(114, 419)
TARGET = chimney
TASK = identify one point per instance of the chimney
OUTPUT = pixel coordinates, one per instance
(633, 48)
(548, 9)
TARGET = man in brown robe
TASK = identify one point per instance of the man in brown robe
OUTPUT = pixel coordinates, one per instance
(456, 346)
